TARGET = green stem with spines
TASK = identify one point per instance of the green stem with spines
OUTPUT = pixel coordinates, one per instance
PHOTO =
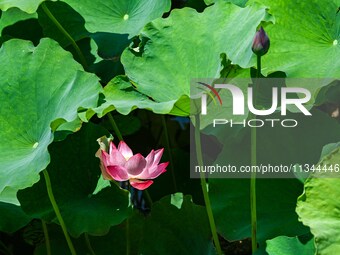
(66, 34)
(88, 244)
(120, 137)
(258, 71)
(253, 159)
(204, 186)
(115, 127)
(168, 148)
(127, 225)
(47, 238)
(57, 212)
(253, 192)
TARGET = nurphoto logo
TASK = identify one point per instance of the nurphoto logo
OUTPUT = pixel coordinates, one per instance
(241, 101)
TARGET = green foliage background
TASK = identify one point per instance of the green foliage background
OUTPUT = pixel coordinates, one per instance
(66, 63)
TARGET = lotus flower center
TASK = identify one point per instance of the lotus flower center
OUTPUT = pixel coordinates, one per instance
(35, 145)
(335, 42)
(126, 16)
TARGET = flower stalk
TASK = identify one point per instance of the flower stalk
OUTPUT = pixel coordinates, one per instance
(47, 238)
(115, 127)
(88, 244)
(260, 47)
(66, 34)
(204, 187)
(57, 212)
(168, 148)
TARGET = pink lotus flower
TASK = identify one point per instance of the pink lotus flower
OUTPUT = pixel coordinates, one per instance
(121, 165)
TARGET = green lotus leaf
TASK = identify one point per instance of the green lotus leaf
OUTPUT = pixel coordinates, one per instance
(163, 65)
(38, 85)
(164, 231)
(15, 23)
(107, 48)
(198, 5)
(289, 246)
(102, 53)
(318, 206)
(120, 95)
(14, 15)
(145, 236)
(72, 22)
(29, 6)
(305, 39)
(119, 16)
(12, 217)
(275, 208)
(73, 183)
(276, 198)
(185, 219)
(241, 3)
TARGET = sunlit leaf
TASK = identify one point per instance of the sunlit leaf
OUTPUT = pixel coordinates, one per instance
(37, 86)
(311, 48)
(163, 66)
(289, 246)
(318, 206)
(29, 6)
(119, 16)
(73, 182)
(12, 217)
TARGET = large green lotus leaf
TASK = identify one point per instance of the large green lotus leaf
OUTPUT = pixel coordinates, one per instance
(119, 16)
(58, 243)
(69, 19)
(63, 24)
(241, 3)
(110, 45)
(305, 39)
(163, 65)
(12, 218)
(175, 226)
(107, 48)
(173, 219)
(120, 95)
(276, 198)
(102, 53)
(37, 86)
(74, 171)
(14, 15)
(299, 144)
(289, 246)
(166, 230)
(127, 124)
(198, 5)
(318, 206)
(114, 242)
(29, 6)
(15, 23)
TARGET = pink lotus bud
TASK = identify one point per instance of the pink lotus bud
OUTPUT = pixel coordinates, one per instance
(261, 43)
